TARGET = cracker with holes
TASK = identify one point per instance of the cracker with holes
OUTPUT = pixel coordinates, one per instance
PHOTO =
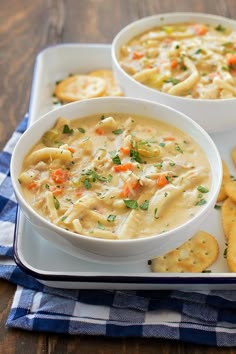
(228, 215)
(79, 87)
(225, 179)
(231, 249)
(195, 255)
(112, 87)
(230, 190)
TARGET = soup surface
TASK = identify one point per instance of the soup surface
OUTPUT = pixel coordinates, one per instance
(116, 176)
(192, 60)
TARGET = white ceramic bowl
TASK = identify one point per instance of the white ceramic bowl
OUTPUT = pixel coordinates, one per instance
(213, 115)
(116, 250)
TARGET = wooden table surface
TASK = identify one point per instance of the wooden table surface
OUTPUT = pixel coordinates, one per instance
(26, 27)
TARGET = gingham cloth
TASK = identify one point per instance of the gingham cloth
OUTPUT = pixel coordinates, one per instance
(198, 317)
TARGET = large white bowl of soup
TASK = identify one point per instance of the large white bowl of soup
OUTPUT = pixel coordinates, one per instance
(184, 60)
(116, 179)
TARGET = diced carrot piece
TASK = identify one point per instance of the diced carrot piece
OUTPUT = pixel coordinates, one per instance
(137, 55)
(99, 131)
(56, 190)
(79, 192)
(173, 63)
(126, 188)
(200, 29)
(125, 150)
(124, 167)
(32, 185)
(71, 149)
(169, 138)
(231, 59)
(162, 181)
(59, 176)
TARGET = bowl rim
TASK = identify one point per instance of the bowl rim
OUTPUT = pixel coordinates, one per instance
(47, 224)
(177, 15)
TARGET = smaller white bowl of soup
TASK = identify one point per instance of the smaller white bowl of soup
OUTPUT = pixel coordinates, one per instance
(116, 179)
(184, 60)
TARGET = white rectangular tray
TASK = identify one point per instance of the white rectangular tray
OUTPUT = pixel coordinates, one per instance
(53, 267)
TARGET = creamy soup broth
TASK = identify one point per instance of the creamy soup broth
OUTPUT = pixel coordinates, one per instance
(191, 60)
(116, 176)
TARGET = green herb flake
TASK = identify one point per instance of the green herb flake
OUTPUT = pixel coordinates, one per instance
(178, 148)
(217, 206)
(64, 218)
(202, 189)
(206, 271)
(165, 194)
(162, 144)
(56, 203)
(169, 179)
(198, 51)
(225, 252)
(87, 184)
(155, 214)
(81, 130)
(173, 80)
(220, 28)
(144, 205)
(67, 130)
(111, 218)
(109, 178)
(201, 202)
(47, 186)
(100, 226)
(177, 46)
(172, 164)
(116, 160)
(134, 154)
(102, 117)
(117, 131)
(131, 204)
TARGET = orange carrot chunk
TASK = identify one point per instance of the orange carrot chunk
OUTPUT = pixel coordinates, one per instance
(32, 185)
(137, 55)
(126, 188)
(125, 150)
(173, 63)
(99, 131)
(169, 138)
(125, 167)
(231, 59)
(200, 29)
(162, 181)
(59, 176)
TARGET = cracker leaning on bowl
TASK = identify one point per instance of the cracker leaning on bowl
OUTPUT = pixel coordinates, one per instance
(94, 84)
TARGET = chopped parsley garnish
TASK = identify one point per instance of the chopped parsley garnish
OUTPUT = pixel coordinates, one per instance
(67, 130)
(93, 176)
(159, 165)
(87, 184)
(111, 218)
(220, 28)
(145, 205)
(117, 131)
(130, 203)
(109, 178)
(162, 144)
(56, 203)
(171, 164)
(177, 46)
(47, 186)
(198, 51)
(217, 206)
(201, 202)
(116, 160)
(100, 226)
(64, 218)
(165, 194)
(102, 117)
(82, 130)
(173, 80)
(206, 271)
(202, 189)
(155, 214)
(168, 179)
(178, 148)
(134, 154)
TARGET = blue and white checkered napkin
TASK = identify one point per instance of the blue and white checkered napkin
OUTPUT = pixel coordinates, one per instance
(199, 317)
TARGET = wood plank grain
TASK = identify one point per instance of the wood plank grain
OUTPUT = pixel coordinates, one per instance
(26, 27)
